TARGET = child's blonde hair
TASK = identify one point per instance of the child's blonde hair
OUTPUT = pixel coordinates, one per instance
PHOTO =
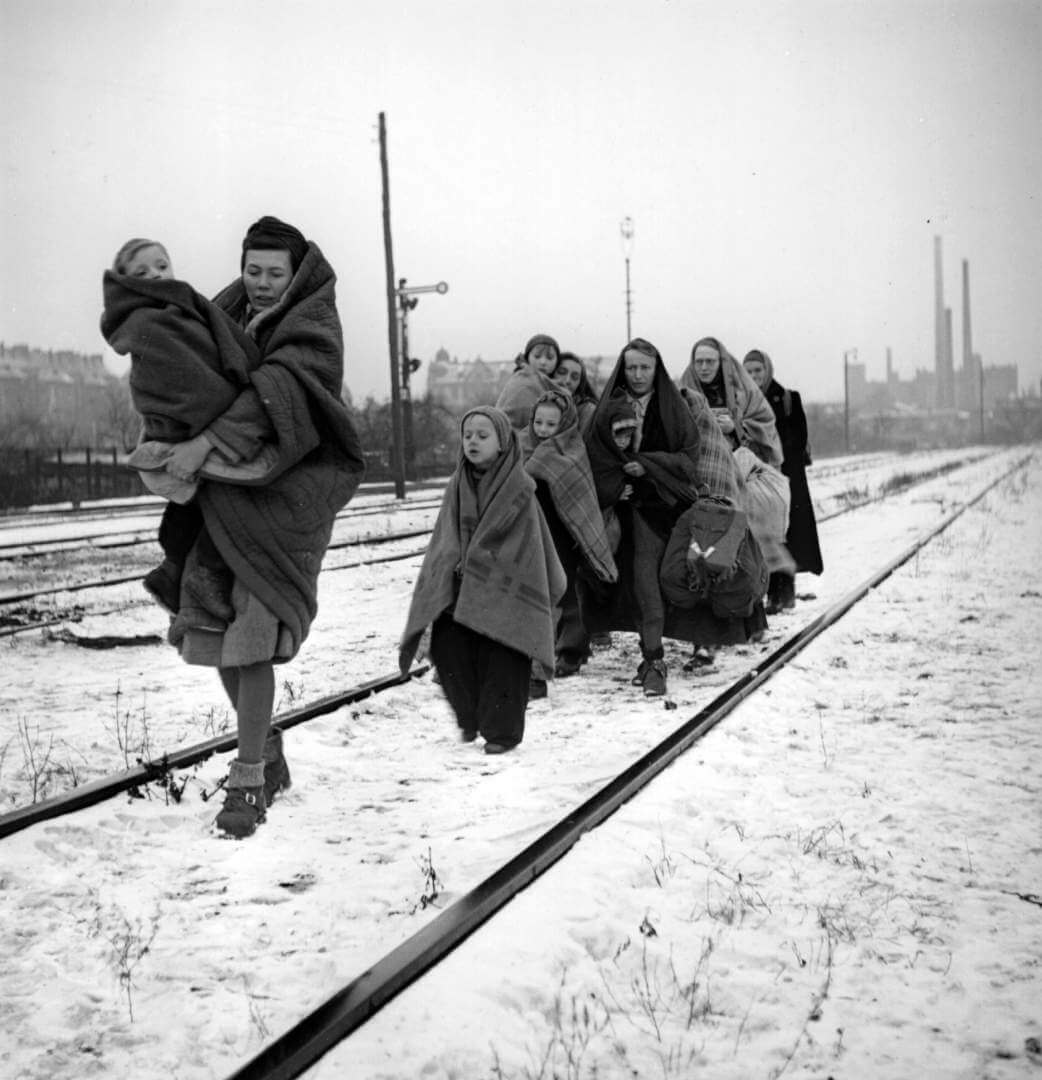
(130, 249)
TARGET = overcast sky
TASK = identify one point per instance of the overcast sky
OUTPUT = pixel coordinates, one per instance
(786, 166)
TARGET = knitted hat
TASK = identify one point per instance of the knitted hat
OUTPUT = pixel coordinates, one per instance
(270, 234)
(540, 339)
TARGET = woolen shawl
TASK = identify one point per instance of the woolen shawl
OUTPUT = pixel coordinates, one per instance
(490, 555)
(753, 417)
(561, 462)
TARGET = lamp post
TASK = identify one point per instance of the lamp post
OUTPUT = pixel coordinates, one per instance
(407, 300)
(626, 232)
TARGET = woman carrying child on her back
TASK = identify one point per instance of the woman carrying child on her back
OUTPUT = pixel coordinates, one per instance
(488, 586)
(555, 456)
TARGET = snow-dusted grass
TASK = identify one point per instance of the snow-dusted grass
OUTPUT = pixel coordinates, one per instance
(846, 851)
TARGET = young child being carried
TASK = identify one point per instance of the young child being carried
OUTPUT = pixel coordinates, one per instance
(488, 586)
(188, 363)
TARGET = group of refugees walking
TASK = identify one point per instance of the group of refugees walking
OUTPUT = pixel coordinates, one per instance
(652, 507)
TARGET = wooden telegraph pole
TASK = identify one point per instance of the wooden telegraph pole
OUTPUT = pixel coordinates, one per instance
(397, 450)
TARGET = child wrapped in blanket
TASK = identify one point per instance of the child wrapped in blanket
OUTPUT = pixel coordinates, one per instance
(188, 362)
(555, 456)
(488, 586)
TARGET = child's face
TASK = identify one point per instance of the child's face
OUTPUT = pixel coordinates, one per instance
(151, 263)
(568, 375)
(622, 437)
(543, 358)
(480, 441)
(546, 421)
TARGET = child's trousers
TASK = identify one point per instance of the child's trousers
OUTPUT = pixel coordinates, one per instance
(486, 682)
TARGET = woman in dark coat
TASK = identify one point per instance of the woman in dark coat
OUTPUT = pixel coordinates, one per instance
(649, 485)
(272, 533)
(791, 422)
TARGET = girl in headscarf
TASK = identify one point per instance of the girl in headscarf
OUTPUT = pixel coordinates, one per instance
(802, 536)
(744, 416)
(488, 586)
(531, 377)
(570, 374)
(660, 471)
(555, 456)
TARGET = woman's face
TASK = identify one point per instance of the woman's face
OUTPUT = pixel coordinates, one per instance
(757, 371)
(480, 441)
(568, 375)
(639, 371)
(546, 420)
(266, 275)
(707, 363)
(543, 358)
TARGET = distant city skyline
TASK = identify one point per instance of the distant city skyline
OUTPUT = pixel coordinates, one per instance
(785, 167)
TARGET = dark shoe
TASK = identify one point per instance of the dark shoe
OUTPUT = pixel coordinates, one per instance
(242, 812)
(164, 585)
(642, 670)
(565, 667)
(536, 689)
(655, 679)
(211, 591)
(276, 771)
(498, 748)
(700, 658)
(467, 734)
(600, 641)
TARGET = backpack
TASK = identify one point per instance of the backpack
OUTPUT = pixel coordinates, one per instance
(712, 557)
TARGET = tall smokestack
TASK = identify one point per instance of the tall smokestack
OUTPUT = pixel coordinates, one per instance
(942, 336)
(967, 331)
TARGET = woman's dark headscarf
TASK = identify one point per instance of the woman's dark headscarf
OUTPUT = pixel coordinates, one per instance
(270, 234)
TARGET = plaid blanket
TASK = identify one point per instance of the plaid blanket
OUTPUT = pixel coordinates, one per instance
(562, 463)
(495, 568)
(717, 476)
(517, 399)
(753, 417)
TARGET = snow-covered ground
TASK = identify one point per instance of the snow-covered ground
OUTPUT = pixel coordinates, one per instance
(841, 879)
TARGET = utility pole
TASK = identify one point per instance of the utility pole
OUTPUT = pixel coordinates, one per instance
(626, 231)
(407, 300)
(980, 369)
(397, 449)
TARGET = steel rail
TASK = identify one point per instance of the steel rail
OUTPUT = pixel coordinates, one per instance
(14, 598)
(107, 787)
(298, 1048)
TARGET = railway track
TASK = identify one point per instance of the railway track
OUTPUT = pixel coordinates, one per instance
(903, 482)
(294, 1051)
(291, 1053)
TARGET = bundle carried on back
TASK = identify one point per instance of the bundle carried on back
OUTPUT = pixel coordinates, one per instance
(713, 558)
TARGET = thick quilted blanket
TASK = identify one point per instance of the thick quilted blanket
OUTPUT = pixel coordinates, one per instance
(273, 534)
(188, 360)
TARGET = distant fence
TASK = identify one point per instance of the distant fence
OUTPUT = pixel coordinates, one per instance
(30, 476)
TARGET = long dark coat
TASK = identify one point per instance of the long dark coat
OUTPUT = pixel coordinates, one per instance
(791, 421)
